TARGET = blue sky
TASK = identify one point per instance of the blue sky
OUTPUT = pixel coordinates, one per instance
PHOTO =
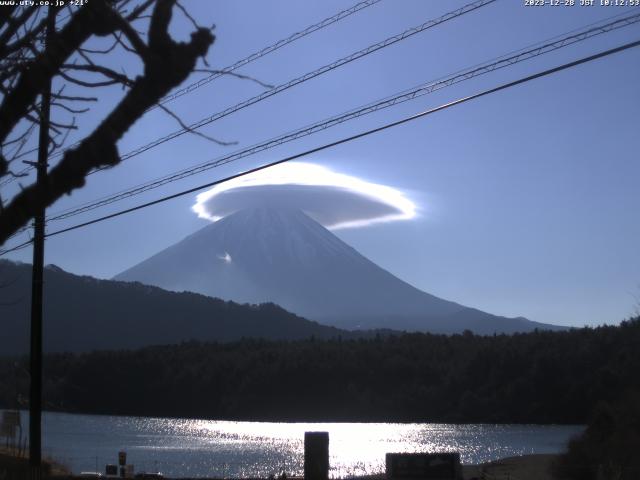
(528, 199)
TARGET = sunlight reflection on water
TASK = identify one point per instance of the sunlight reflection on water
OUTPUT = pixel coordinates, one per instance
(180, 447)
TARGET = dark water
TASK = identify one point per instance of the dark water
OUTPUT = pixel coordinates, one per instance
(179, 447)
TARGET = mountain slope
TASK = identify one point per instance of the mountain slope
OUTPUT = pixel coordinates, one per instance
(282, 256)
(84, 313)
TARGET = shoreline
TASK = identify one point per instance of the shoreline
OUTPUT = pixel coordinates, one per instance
(524, 467)
(535, 466)
(357, 420)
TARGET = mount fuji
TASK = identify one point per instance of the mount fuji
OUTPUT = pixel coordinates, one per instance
(281, 255)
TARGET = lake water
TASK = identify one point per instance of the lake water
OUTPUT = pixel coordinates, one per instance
(198, 448)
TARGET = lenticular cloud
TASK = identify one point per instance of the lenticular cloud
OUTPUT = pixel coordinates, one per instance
(332, 199)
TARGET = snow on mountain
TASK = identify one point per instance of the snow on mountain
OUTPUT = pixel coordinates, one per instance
(281, 255)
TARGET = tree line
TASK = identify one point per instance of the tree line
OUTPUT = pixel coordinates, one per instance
(538, 377)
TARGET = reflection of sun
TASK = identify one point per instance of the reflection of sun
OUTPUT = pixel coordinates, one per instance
(259, 449)
(308, 174)
(354, 448)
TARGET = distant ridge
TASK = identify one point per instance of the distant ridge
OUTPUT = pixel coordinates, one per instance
(281, 255)
(83, 314)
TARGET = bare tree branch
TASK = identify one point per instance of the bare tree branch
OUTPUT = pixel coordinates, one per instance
(191, 130)
(166, 64)
(95, 18)
(138, 11)
(83, 83)
(74, 98)
(139, 47)
(5, 14)
(82, 51)
(56, 145)
(69, 109)
(22, 42)
(13, 25)
(236, 75)
(107, 72)
(188, 15)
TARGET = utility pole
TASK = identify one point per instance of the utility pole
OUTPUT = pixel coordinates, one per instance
(35, 395)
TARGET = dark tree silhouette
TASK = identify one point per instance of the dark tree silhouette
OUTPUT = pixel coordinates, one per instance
(608, 447)
(26, 65)
(538, 377)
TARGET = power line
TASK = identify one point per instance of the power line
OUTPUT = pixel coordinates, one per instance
(307, 76)
(445, 106)
(296, 81)
(424, 89)
(271, 48)
(16, 248)
(240, 63)
(19, 231)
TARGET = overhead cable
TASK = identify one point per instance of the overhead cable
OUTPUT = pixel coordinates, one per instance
(271, 48)
(421, 90)
(240, 63)
(411, 118)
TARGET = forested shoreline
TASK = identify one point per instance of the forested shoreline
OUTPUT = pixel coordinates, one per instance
(539, 377)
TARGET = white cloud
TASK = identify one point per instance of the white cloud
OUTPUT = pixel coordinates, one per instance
(333, 199)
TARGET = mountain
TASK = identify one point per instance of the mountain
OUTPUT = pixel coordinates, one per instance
(84, 313)
(281, 255)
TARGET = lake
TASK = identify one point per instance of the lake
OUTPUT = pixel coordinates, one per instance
(197, 448)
